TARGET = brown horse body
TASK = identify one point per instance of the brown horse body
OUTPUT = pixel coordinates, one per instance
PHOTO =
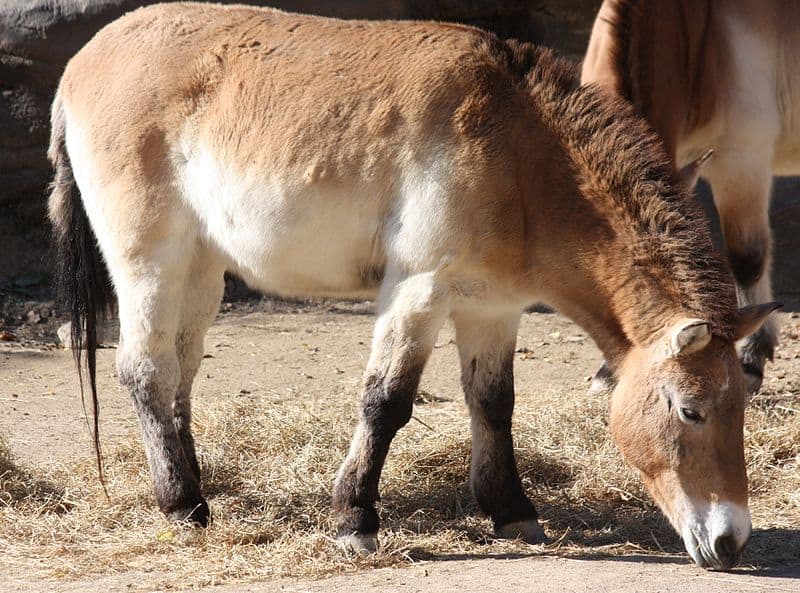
(449, 173)
(722, 76)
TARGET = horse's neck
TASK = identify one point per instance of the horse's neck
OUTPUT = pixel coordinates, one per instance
(593, 280)
(622, 254)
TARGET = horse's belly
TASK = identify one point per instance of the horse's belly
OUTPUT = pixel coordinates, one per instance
(292, 238)
(330, 256)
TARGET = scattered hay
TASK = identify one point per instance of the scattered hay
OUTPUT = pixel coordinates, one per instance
(269, 462)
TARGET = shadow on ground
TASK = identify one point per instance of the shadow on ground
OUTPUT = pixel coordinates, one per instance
(20, 488)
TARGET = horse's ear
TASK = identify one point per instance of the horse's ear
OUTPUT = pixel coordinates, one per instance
(751, 318)
(687, 336)
(691, 172)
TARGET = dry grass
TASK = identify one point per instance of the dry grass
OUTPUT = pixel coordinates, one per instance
(269, 464)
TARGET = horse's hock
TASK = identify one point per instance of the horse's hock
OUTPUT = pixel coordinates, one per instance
(37, 37)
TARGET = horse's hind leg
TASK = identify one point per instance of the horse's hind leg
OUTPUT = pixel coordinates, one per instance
(201, 298)
(404, 336)
(486, 348)
(742, 184)
(150, 289)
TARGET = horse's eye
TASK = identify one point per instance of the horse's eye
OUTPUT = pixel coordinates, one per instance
(690, 415)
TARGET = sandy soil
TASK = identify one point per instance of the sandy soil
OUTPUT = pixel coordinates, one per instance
(630, 574)
(317, 353)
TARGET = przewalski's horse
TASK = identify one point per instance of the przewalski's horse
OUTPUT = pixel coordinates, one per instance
(719, 75)
(452, 174)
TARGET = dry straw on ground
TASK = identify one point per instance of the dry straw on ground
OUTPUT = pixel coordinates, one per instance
(268, 465)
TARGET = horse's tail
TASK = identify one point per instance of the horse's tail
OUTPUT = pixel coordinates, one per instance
(83, 286)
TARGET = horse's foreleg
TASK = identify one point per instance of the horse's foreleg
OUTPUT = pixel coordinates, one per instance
(202, 294)
(486, 348)
(403, 340)
(742, 185)
(150, 295)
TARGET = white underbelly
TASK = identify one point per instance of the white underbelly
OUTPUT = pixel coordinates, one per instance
(299, 237)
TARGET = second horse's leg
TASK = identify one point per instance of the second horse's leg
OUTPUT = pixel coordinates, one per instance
(742, 184)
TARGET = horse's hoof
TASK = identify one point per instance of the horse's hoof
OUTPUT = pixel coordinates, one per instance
(753, 376)
(358, 543)
(528, 531)
(196, 516)
(603, 381)
(754, 381)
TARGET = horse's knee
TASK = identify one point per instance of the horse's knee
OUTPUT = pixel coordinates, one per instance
(490, 392)
(389, 401)
(152, 380)
(748, 263)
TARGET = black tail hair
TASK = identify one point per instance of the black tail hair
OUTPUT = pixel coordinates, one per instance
(83, 286)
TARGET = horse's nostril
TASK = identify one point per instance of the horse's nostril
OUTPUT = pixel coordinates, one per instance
(726, 549)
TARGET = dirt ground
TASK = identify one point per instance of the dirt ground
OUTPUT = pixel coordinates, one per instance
(266, 350)
(628, 574)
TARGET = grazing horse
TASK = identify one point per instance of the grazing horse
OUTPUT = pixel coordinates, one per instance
(719, 75)
(449, 173)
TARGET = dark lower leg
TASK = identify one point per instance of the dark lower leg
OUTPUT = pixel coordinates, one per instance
(189, 355)
(152, 384)
(754, 351)
(386, 407)
(603, 381)
(177, 489)
(494, 477)
(182, 420)
(750, 267)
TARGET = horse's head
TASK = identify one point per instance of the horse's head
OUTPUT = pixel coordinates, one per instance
(677, 415)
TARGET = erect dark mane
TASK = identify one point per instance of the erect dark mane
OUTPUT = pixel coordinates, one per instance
(623, 169)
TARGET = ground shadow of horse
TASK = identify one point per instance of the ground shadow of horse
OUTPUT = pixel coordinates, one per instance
(19, 487)
(427, 506)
